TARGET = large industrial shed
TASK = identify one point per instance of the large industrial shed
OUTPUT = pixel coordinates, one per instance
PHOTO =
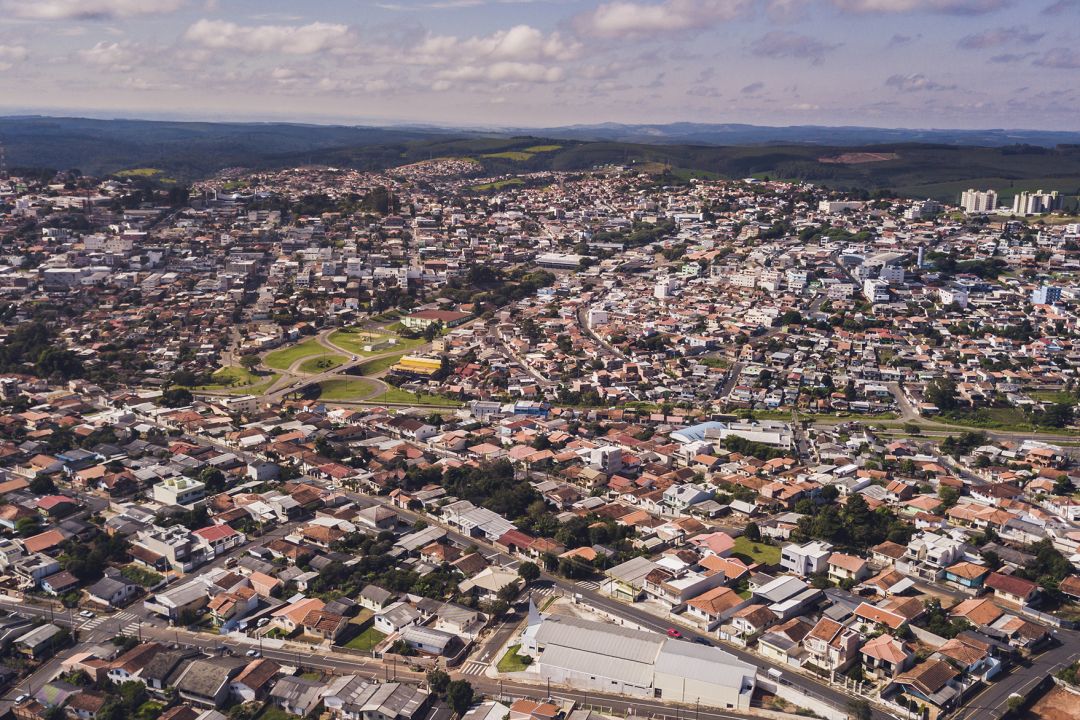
(610, 658)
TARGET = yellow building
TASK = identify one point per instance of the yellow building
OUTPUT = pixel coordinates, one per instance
(417, 365)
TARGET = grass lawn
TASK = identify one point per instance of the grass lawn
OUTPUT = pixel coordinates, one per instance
(273, 712)
(316, 365)
(497, 185)
(756, 551)
(366, 641)
(1009, 419)
(238, 381)
(284, 358)
(374, 367)
(345, 389)
(397, 395)
(1054, 396)
(511, 661)
(510, 155)
(355, 340)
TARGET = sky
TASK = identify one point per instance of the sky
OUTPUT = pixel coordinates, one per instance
(536, 63)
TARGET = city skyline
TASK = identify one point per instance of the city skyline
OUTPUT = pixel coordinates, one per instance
(888, 63)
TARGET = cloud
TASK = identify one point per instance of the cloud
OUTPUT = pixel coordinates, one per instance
(779, 44)
(897, 40)
(1060, 58)
(1019, 35)
(952, 7)
(10, 55)
(1060, 7)
(85, 9)
(288, 39)
(520, 43)
(500, 72)
(786, 10)
(625, 19)
(915, 82)
(1006, 58)
(118, 57)
(753, 88)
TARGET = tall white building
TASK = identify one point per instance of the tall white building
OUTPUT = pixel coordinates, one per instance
(978, 201)
(1035, 203)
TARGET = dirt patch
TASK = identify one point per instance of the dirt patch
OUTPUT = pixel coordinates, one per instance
(858, 158)
(1057, 704)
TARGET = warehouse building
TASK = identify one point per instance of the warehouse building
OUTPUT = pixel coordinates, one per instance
(610, 658)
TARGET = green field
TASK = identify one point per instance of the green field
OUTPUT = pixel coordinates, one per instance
(397, 395)
(322, 363)
(517, 155)
(355, 340)
(284, 358)
(239, 381)
(497, 185)
(365, 641)
(140, 172)
(374, 367)
(346, 389)
(542, 148)
(757, 552)
(1009, 419)
(511, 661)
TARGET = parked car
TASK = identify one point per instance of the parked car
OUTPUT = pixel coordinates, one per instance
(21, 699)
(673, 633)
(253, 653)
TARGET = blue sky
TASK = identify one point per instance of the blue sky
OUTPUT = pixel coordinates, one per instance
(892, 63)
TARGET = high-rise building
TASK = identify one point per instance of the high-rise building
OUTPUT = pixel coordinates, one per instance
(1045, 295)
(979, 201)
(1035, 203)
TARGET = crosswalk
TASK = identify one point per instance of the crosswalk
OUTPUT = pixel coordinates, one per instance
(542, 591)
(473, 667)
(588, 584)
(124, 622)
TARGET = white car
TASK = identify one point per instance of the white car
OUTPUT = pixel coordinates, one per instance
(86, 614)
(253, 653)
(262, 621)
(21, 699)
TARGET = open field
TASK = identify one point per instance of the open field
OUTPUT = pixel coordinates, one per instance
(510, 155)
(397, 395)
(321, 363)
(511, 661)
(239, 381)
(367, 640)
(346, 389)
(355, 340)
(1056, 704)
(284, 358)
(757, 552)
(497, 185)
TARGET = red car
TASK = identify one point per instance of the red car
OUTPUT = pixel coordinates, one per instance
(673, 633)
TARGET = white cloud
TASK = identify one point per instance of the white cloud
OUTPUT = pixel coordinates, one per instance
(10, 55)
(954, 7)
(780, 44)
(85, 9)
(118, 57)
(520, 43)
(288, 39)
(915, 82)
(622, 19)
(502, 72)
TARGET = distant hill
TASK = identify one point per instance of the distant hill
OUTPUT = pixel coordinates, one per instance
(187, 151)
(736, 134)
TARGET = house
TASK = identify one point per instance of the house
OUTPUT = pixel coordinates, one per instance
(112, 591)
(831, 645)
(41, 642)
(430, 641)
(932, 683)
(783, 643)
(207, 681)
(132, 663)
(846, 568)
(714, 606)
(980, 612)
(808, 559)
(396, 617)
(297, 695)
(376, 598)
(533, 710)
(253, 683)
(752, 620)
(1011, 589)
(353, 698)
(884, 657)
(323, 625)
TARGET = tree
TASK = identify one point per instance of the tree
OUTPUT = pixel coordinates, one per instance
(249, 362)
(529, 572)
(459, 695)
(507, 593)
(438, 681)
(942, 393)
(859, 709)
(176, 397)
(753, 532)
